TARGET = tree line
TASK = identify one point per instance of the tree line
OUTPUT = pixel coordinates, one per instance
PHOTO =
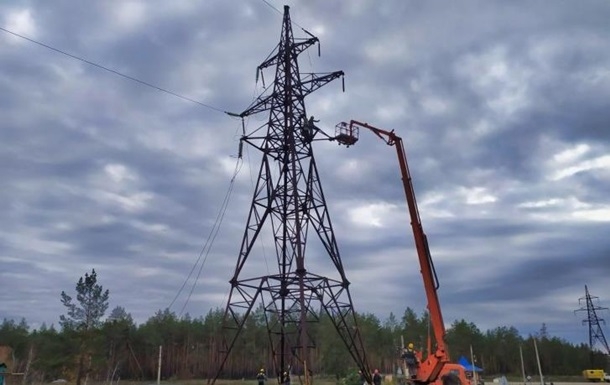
(87, 346)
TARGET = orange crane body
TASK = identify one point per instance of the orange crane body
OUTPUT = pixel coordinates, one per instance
(436, 368)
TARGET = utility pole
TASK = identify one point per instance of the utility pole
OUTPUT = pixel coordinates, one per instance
(596, 333)
(522, 364)
(538, 361)
(159, 365)
(288, 204)
(474, 372)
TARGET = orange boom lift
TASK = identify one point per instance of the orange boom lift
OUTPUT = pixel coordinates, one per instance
(436, 368)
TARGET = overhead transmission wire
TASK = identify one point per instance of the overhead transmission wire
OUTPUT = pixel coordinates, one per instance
(113, 71)
(207, 247)
(255, 93)
(216, 227)
(245, 123)
(262, 243)
(281, 14)
(272, 6)
(220, 216)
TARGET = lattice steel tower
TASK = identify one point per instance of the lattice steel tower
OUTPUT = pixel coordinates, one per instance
(289, 203)
(595, 330)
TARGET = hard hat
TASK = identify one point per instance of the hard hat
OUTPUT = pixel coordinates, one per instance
(285, 373)
(262, 370)
(410, 345)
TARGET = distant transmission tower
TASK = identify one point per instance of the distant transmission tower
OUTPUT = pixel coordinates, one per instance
(288, 204)
(595, 331)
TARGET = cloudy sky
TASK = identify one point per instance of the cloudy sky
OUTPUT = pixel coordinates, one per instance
(503, 107)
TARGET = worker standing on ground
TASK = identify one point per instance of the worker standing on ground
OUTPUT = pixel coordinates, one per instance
(261, 377)
(3, 370)
(376, 377)
(410, 358)
(361, 377)
(286, 378)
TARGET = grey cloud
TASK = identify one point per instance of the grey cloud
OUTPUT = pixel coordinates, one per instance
(64, 122)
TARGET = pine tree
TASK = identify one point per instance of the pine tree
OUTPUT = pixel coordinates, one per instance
(84, 315)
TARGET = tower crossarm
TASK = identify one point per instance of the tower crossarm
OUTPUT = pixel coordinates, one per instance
(260, 104)
(297, 48)
(303, 45)
(312, 81)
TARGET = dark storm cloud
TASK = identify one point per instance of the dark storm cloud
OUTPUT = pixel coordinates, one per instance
(519, 282)
(597, 185)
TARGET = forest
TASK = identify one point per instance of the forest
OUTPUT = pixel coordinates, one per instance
(87, 345)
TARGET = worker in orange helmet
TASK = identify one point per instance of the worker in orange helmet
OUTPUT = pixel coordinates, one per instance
(408, 354)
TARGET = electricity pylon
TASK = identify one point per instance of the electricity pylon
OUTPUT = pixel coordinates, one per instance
(289, 203)
(596, 333)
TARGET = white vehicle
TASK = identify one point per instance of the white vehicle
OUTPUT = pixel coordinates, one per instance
(606, 377)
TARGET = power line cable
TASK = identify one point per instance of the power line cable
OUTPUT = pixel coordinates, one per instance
(280, 12)
(271, 5)
(115, 72)
(215, 231)
(262, 242)
(211, 235)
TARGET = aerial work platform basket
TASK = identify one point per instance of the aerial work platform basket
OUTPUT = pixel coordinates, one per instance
(346, 134)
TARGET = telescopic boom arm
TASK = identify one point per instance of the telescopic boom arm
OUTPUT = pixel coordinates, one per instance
(431, 367)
